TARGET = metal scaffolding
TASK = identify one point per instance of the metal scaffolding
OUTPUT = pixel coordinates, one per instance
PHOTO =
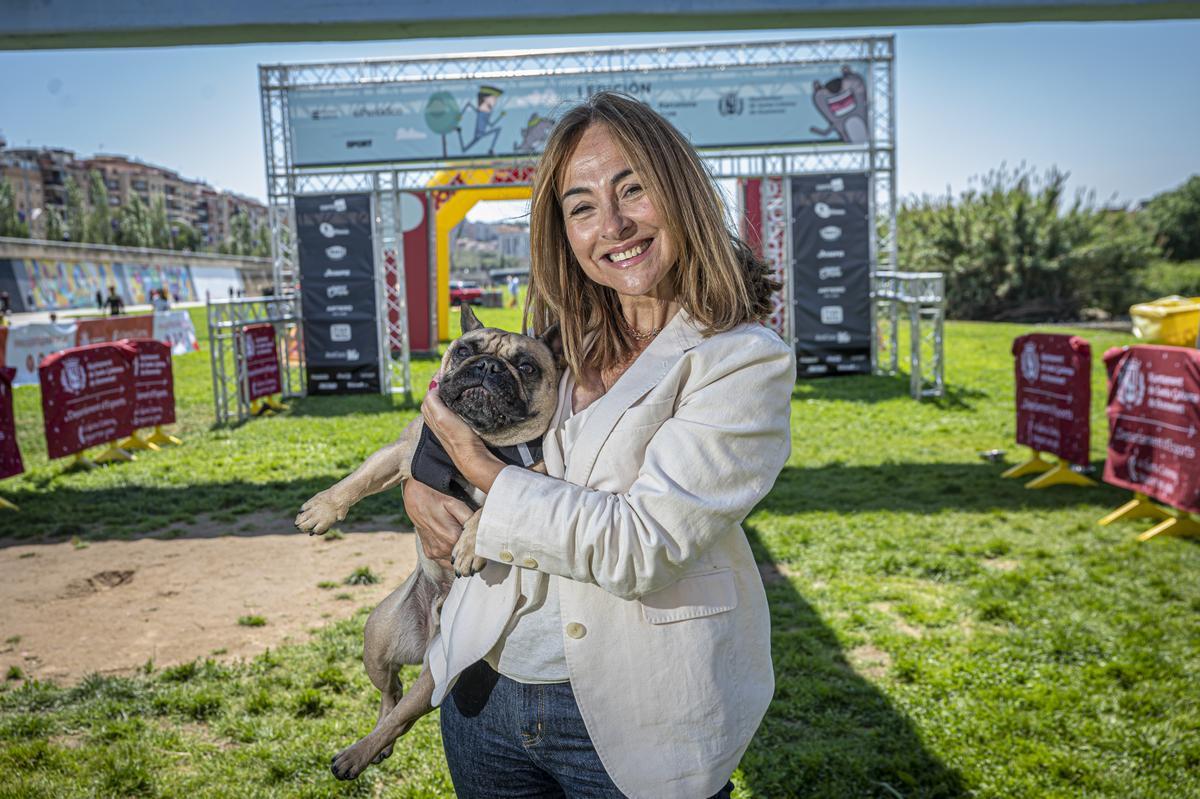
(226, 321)
(922, 297)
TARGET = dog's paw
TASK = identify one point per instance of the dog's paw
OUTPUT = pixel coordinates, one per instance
(382, 756)
(352, 761)
(319, 514)
(463, 555)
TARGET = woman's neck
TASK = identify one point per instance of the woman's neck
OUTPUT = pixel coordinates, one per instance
(648, 313)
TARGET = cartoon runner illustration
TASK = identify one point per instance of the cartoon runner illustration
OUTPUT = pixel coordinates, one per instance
(534, 134)
(484, 105)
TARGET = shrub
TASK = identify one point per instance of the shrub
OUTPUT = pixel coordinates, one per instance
(1175, 217)
(361, 576)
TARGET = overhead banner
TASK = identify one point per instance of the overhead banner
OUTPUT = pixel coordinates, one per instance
(153, 384)
(725, 106)
(261, 359)
(10, 453)
(337, 284)
(831, 277)
(87, 397)
(1154, 423)
(1054, 394)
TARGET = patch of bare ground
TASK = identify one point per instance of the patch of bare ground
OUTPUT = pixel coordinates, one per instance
(897, 620)
(1000, 564)
(869, 661)
(176, 594)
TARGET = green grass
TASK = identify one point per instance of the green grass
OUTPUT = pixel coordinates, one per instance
(937, 631)
(252, 621)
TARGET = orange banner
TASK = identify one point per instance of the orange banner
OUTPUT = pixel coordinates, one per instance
(113, 328)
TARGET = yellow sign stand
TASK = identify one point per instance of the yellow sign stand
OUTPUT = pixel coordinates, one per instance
(135, 441)
(162, 438)
(1183, 524)
(82, 462)
(6, 505)
(1140, 507)
(1035, 465)
(267, 404)
(1061, 474)
(114, 453)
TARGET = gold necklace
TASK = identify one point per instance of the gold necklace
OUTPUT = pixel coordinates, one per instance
(637, 335)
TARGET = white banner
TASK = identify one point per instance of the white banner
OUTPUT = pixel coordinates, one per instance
(175, 328)
(28, 344)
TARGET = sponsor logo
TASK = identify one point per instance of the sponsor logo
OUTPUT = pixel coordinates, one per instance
(352, 144)
(1031, 365)
(825, 254)
(831, 233)
(831, 291)
(835, 184)
(356, 384)
(843, 337)
(829, 272)
(339, 310)
(1132, 387)
(339, 332)
(824, 210)
(337, 273)
(329, 231)
(831, 314)
(337, 290)
(730, 105)
(338, 205)
(74, 376)
(335, 253)
(327, 386)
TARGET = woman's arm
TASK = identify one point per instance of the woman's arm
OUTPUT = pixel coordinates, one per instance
(703, 471)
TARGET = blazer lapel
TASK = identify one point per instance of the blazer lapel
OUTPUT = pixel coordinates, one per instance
(680, 335)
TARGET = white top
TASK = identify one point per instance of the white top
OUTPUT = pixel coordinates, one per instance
(533, 652)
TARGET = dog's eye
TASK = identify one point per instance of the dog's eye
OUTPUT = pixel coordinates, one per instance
(459, 353)
(528, 368)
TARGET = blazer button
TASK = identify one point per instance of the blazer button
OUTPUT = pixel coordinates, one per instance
(576, 630)
(529, 563)
(506, 556)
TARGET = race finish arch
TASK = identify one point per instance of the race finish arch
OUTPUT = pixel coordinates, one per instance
(805, 128)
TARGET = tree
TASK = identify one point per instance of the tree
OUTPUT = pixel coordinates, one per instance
(54, 224)
(98, 229)
(76, 222)
(133, 224)
(160, 227)
(240, 241)
(11, 223)
(262, 241)
(186, 237)
(1175, 216)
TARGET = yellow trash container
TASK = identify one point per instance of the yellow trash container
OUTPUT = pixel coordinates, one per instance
(1170, 320)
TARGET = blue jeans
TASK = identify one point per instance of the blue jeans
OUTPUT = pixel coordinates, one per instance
(506, 739)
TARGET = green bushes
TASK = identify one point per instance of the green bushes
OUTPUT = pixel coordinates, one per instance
(1014, 248)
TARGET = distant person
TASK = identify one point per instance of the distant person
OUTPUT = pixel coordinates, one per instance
(53, 317)
(99, 300)
(5, 307)
(231, 292)
(174, 297)
(116, 305)
(159, 301)
(514, 288)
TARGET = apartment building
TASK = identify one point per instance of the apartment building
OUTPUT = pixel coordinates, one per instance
(39, 175)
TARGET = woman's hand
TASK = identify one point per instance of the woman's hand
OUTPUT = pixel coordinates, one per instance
(463, 445)
(438, 519)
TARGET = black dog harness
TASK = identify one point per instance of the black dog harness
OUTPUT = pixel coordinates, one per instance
(431, 464)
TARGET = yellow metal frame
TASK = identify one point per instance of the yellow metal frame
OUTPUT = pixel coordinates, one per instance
(6, 505)
(468, 187)
(1185, 524)
(135, 441)
(114, 454)
(162, 438)
(1035, 465)
(1140, 507)
(1061, 475)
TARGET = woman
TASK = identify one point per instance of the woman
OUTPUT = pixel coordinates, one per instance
(626, 649)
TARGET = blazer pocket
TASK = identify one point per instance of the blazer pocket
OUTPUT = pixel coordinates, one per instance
(692, 597)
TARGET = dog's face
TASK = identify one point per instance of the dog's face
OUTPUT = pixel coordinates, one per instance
(504, 385)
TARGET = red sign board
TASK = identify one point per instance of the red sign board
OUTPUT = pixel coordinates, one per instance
(1154, 423)
(10, 454)
(1054, 394)
(153, 383)
(87, 396)
(262, 361)
(113, 328)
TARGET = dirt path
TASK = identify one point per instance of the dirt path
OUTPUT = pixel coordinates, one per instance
(113, 605)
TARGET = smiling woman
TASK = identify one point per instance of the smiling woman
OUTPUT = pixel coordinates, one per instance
(616, 642)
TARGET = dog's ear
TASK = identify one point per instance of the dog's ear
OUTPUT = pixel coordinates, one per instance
(552, 338)
(469, 322)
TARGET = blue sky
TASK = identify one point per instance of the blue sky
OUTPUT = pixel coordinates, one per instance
(1117, 105)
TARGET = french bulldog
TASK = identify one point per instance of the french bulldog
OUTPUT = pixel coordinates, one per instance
(505, 386)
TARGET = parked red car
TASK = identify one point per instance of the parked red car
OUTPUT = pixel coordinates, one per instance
(465, 291)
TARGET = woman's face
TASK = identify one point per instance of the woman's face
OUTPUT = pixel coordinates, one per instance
(612, 227)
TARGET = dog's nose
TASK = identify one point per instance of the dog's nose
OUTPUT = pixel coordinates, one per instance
(488, 366)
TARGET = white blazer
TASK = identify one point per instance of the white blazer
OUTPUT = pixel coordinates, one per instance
(665, 620)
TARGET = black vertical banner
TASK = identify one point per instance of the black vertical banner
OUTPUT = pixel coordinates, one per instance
(831, 281)
(337, 285)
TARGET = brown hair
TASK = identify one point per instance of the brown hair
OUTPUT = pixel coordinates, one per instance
(716, 277)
